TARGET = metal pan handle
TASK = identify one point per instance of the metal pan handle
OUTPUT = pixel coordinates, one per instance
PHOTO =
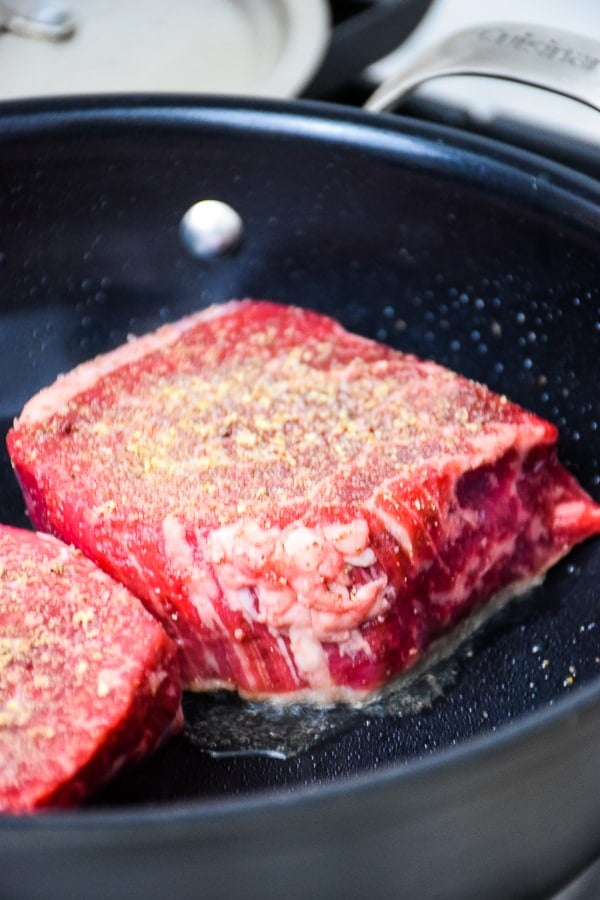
(554, 60)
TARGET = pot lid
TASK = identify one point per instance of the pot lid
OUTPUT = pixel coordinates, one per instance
(268, 48)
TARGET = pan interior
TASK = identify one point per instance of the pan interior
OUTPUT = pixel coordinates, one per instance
(486, 263)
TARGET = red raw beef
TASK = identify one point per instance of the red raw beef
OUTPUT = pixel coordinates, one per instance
(303, 509)
(88, 679)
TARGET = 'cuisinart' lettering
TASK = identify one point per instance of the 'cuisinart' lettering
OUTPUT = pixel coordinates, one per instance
(550, 49)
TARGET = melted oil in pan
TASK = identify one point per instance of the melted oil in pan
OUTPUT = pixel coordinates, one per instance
(223, 725)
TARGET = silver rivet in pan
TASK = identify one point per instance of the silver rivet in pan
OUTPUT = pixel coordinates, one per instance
(210, 228)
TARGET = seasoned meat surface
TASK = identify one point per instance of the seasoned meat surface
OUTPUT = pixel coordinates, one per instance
(303, 508)
(88, 679)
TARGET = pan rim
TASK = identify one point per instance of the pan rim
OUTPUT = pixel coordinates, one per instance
(316, 119)
(484, 160)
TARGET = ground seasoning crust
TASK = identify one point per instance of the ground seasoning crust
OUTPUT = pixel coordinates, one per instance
(265, 416)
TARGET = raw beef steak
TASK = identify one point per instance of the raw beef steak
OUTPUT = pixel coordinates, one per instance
(304, 509)
(88, 680)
